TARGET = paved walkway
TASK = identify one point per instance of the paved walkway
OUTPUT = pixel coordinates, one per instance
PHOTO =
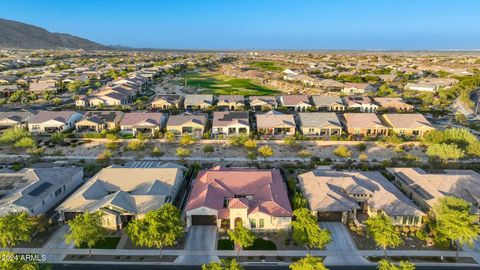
(57, 241)
(342, 241)
(200, 238)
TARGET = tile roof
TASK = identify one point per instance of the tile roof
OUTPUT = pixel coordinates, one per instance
(44, 116)
(328, 190)
(180, 119)
(228, 118)
(407, 120)
(260, 190)
(363, 120)
(318, 119)
(292, 100)
(142, 118)
(274, 119)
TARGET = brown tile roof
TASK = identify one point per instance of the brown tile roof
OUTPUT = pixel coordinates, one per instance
(363, 120)
(407, 120)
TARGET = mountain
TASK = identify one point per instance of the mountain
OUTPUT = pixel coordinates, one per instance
(20, 35)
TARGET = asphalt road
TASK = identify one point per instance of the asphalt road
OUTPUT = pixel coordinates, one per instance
(265, 267)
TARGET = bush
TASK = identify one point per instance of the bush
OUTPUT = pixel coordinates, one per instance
(135, 146)
(156, 152)
(208, 148)
(26, 142)
(238, 140)
(342, 151)
(183, 152)
(361, 147)
(12, 135)
(304, 154)
(112, 145)
(186, 140)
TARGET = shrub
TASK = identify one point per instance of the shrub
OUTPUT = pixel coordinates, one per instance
(304, 154)
(156, 152)
(135, 146)
(361, 147)
(208, 148)
(26, 142)
(342, 151)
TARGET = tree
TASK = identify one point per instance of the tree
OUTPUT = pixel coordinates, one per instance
(12, 135)
(308, 263)
(86, 229)
(73, 86)
(15, 228)
(383, 232)
(208, 149)
(159, 228)
(223, 265)
(265, 151)
(242, 237)
(386, 265)
(385, 90)
(361, 147)
(238, 140)
(445, 151)
(9, 261)
(250, 145)
(299, 201)
(307, 232)
(455, 222)
(170, 136)
(26, 142)
(342, 151)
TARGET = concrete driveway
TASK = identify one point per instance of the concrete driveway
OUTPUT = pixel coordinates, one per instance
(57, 241)
(341, 239)
(343, 243)
(200, 238)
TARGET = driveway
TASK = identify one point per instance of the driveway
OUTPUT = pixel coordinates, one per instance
(200, 238)
(57, 241)
(343, 243)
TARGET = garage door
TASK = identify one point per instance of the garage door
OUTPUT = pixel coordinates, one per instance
(204, 220)
(330, 216)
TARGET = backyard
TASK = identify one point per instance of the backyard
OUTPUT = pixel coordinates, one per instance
(218, 84)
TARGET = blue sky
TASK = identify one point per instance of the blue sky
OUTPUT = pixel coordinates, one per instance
(259, 24)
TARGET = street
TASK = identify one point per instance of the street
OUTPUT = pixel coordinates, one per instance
(263, 267)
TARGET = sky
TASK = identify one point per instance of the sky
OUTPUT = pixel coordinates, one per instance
(259, 24)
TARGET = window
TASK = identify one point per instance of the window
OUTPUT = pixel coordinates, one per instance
(262, 223)
(253, 223)
(311, 130)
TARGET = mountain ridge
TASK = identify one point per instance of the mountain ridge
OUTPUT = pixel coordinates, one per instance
(20, 35)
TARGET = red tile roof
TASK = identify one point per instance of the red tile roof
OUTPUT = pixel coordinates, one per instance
(264, 190)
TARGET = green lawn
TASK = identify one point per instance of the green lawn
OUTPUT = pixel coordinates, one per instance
(223, 85)
(106, 243)
(261, 244)
(258, 244)
(225, 244)
(266, 65)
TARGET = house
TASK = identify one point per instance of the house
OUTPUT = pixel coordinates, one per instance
(393, 104)
(357, 88)
(168, 101)
(365, 124)
(96, 121)
(198, 101)
(187, 124)
(225, 197)
(360, 103)
(41, 87)
(425, 188)
(53, 121)
(341, 196)
(331, 85)
(276, 124)
(323, 124)
(263, 103)
(37, 190)
(145, 122)
(409, 124)
(7, 90)
(297, 103)
(14, 119)
(230, 123)
(328, 103)
(430, 84)
(230, 102)
(123, 193)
